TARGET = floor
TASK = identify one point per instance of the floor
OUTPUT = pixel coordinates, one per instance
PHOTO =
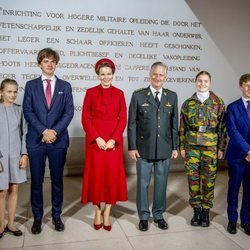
(79, 232)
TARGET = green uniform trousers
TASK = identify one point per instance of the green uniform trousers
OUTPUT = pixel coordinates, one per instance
(201, 170)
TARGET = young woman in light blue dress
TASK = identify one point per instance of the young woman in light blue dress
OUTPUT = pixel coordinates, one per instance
(13, 154)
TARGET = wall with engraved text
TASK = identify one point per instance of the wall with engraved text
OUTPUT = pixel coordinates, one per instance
(134, 34)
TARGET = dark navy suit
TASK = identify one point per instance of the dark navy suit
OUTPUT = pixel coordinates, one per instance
(238, 128)
(39, 118)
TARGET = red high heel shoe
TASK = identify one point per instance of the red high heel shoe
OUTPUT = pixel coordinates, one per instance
(107, 228)
(97, 226)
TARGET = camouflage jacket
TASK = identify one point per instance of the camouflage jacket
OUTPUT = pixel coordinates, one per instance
(209, 116)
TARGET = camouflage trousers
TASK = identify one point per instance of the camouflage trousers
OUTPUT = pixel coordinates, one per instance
(201, 170)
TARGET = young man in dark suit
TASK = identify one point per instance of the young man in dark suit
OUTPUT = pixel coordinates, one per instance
(238, 157)
(152, 142)
(48, 109)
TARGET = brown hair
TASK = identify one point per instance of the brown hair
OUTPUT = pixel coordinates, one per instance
(244, 78)
(102, 65)
(203, 72)
(47, 53)
(5, 82)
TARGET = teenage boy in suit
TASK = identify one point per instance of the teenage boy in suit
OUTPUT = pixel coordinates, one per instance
(48, 109)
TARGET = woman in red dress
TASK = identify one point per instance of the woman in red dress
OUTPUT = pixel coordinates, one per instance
(104, 118)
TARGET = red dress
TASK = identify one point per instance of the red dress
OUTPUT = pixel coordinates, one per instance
(104, 114)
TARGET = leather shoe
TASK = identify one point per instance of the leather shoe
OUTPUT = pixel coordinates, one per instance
(162, 224)
(231, 227)
(59, 226)
(17, 232)
(246, 227)
(143, 225)
(36, 227)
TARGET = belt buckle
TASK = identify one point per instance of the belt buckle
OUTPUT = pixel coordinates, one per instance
(202, 129)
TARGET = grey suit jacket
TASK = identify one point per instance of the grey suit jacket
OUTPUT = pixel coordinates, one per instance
(152, 131)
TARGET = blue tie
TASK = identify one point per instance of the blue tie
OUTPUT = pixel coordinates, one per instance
(248, 108)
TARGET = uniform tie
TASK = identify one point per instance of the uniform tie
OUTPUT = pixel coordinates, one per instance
(248, 108)
(48, 92)
(157, 98)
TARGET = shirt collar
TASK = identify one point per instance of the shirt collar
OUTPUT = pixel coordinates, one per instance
(153, 90)
(245, 99)
(51, 78)
(202, 96)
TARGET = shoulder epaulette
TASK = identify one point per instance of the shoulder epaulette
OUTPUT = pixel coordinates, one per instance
(138, 90)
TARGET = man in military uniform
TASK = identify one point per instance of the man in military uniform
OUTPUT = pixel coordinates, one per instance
(202, 142)
(152, 141)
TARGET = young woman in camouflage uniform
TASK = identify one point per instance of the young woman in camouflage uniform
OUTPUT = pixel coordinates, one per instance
(202, 143)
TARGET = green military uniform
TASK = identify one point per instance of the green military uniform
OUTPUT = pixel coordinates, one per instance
(202, 134)
(153, 131)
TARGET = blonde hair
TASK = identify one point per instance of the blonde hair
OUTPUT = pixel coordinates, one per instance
(5, 82)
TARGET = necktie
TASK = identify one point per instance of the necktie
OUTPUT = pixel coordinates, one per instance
(157, 98)
(248, 108)
(48, 92)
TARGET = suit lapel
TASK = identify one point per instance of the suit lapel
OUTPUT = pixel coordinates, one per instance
(150, 97)
(41, 90)
(56, 91)
(243, 112)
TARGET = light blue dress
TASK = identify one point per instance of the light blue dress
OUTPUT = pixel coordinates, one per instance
(12, 145)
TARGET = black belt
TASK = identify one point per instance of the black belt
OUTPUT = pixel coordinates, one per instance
(203, 129)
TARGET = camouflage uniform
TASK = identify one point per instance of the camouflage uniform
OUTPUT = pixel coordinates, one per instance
(202, 134)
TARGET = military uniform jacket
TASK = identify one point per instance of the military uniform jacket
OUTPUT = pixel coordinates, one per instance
(210, 115)
(153, 131)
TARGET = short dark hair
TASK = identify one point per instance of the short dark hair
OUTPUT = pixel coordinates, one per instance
(203, 72)
(244, 78)
(47, 53)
